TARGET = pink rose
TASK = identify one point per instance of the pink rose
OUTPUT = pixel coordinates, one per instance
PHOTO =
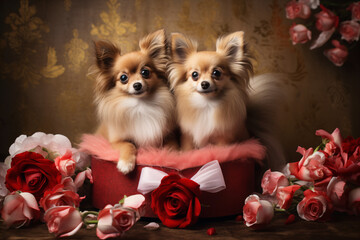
(336, 193)
(59, 196)
(355, 10)
(337, 55)
(63, 221)
(326, 20)
(271, 181)
(350, 30)
(334, 137)
(114, 221)
(311, 166)
(256, 212)
(354, 201)
(65, 164)
(80, 178)
(315, 206)
(299, 34)
(297, 10)
(285, 195)
(19, 209)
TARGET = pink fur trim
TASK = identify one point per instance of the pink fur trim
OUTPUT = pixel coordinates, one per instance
(248, 150)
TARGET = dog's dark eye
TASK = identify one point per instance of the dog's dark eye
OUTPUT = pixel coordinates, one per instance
(145, 73)
(195, 76)
(216, 74)
(124, 78)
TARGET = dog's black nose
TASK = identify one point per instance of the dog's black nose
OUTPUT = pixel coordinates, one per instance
(205, 85)
(137, 86)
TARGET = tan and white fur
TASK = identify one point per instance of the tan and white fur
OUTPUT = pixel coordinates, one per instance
(213, 92)
(134, 105)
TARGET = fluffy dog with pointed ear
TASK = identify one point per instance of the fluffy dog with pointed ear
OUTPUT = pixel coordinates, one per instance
(211, 90)
(134, 105)
(214, 92)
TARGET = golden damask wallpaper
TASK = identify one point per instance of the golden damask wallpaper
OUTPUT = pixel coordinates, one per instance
(46, 48)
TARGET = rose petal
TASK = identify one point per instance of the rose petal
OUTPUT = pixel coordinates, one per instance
(134, 201)
(211, 231)
(152, 226)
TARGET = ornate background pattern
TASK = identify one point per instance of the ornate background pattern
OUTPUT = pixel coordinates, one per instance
(46, 48)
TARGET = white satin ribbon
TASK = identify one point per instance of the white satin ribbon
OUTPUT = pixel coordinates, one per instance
(209, 177)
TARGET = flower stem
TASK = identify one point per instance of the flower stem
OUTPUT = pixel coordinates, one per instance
(89, 221)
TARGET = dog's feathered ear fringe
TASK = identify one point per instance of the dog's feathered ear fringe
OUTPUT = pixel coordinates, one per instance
(154, 45)
(234, 49)
(105, 53)
(181, 48)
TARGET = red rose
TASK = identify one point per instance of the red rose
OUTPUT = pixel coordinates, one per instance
(176, 201)
(31, 172)
(350, 145)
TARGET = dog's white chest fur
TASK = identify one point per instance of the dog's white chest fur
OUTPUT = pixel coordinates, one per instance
(204, 124)
(143, 122)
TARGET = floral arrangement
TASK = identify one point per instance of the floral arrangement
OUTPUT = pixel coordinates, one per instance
(326, 179)
(175, 199)
(39, 181)
(331, 19)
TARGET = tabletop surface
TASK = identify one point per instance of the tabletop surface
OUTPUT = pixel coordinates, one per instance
(341, 226)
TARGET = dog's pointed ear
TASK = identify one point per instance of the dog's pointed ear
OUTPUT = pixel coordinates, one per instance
(231, 46)
(234, 49)
(106, 53)
(181, 47)
(154, 45)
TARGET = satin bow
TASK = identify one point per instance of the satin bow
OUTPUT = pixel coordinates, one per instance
(209, 177)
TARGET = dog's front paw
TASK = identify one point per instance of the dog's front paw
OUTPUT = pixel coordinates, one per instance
(126, 166)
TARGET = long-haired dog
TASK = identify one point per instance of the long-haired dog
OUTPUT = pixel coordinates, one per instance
(134, 105)
(217, 100)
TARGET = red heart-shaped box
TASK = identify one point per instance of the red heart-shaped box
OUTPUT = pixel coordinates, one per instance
(237, 163)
